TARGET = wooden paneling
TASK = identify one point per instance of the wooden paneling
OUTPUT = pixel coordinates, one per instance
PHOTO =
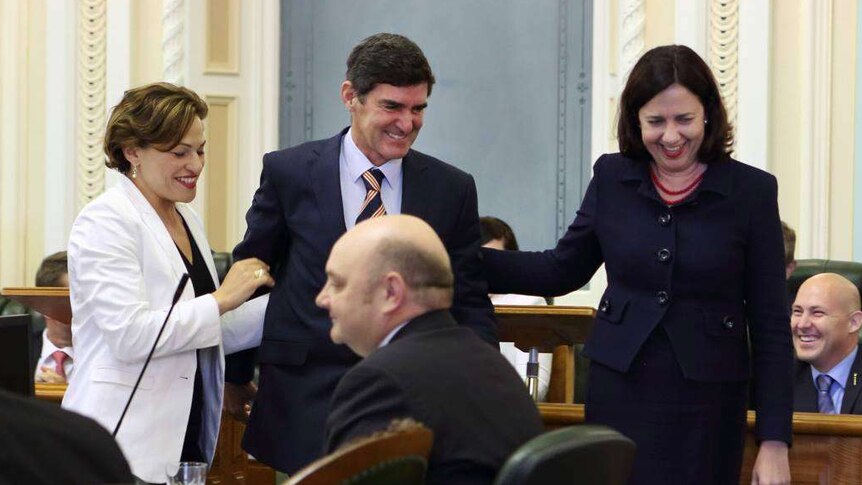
(222, 37)
(220, 174)
(827, 449)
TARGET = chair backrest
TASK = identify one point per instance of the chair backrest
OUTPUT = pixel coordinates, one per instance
(806, 268)
(584, 454)
(223, 262)
(398, 456)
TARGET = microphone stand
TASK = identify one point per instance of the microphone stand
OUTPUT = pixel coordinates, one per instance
(183, 280)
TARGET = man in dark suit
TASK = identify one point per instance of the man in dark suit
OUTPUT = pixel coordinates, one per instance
(388, 288)
(825, 321)
(43, 444)
(310, 195)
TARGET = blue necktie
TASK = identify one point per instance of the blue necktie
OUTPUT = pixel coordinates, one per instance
(824, 397)
(372, 206)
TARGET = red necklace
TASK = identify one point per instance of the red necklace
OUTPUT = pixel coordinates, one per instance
(665, 190)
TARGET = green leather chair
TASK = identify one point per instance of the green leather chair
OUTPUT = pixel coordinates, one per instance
(806, 268)
(409, 470)
(585, 454)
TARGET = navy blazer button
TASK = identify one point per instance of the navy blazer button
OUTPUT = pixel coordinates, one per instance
(605, 306)
(662, 297)
(663, 255)
(728, 322)
(665, 219)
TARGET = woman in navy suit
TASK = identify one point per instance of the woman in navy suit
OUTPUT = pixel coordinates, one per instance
(692, 246)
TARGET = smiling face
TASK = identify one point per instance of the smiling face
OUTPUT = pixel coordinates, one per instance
(166, 177)
(672, 128)
(825, 321)
(387, 120)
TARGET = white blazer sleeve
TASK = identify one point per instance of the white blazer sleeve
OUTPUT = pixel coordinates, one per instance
(122, 283)
(243, 328)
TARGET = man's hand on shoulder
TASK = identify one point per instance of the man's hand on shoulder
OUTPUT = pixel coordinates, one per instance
(238, 398)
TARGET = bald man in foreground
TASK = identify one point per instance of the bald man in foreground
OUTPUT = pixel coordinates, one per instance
(388, 290)
(825, 323)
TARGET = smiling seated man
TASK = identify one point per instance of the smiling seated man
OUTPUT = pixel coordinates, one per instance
(388, 290)
(825, 323)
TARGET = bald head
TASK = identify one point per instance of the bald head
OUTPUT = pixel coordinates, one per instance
(825, 321)
(833, 287)
(381, 273)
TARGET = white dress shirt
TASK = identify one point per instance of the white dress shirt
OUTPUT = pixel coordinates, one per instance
(47, 360)
(352, 163)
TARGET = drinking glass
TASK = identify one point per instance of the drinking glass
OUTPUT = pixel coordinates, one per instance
(187, 473)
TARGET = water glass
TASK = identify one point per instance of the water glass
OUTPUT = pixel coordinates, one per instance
(187, 473)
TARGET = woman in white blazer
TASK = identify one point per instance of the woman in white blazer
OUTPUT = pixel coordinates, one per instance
(127, 252)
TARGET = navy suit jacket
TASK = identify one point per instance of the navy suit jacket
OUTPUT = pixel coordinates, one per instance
(709, 270)
(444, 377)
(805, 392)
(295, 218)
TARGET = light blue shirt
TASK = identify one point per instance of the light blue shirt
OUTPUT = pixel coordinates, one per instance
(352, 163)
(389, 336)
(840, 373)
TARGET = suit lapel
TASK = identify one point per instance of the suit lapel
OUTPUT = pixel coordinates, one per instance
(155, 226)
(323, 169)
(414, 195)
(200, 238)
(804, 393)
(852, 387)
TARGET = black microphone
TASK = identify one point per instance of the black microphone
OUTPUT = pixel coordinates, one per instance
(183, 280)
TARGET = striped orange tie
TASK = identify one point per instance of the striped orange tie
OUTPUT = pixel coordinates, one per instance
(372, 206)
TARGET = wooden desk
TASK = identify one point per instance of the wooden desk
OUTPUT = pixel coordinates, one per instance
(826, 448)
(554, 329)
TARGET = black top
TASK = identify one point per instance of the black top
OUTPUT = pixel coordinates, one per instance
(202, 282)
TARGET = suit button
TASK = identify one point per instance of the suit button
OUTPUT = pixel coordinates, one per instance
(605, 306)
(663, 255)
(662, 297)
(728, 322)
(665, 219)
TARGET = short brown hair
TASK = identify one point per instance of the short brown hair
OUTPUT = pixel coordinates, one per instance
(657, 70)
(491, 228)
(157, 115)
(52, 270)
(427, 275)
(789, 243)
(387, 59)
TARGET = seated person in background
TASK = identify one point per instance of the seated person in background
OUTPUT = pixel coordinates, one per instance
(388, 290)
(56, 359)
(496, 234)
(43, 444)
(825, 324)
(789, 249)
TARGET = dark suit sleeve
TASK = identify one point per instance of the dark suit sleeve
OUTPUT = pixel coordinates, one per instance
(266, 239)
(365, 401)
(471, 306)
(558, 271)
(767, 314)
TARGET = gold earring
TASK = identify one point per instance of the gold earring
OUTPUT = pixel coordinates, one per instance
(134, 171)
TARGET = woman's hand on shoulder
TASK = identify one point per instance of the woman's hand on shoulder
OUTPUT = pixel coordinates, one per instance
(772, 466)
(242, 280)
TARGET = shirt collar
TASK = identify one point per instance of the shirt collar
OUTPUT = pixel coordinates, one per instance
(358, 163)
(391, 335)
(841, 371)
